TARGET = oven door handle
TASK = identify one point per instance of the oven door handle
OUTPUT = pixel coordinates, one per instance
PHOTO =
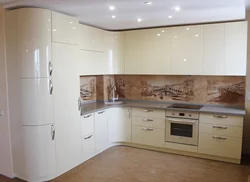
(190, 122)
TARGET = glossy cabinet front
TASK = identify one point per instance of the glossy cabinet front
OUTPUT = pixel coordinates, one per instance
(34, 42)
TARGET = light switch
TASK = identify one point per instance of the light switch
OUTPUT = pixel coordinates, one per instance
(1, 113)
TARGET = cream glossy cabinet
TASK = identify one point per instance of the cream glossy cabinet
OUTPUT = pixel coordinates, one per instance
(65, 29)
(154, 51)
(119, 122)
(187, 50)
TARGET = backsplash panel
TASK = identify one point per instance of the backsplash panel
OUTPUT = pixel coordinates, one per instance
(226, 90)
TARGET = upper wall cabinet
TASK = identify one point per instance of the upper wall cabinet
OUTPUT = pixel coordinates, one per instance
(187, 50)
(154, 51)
(236, 48)
(131, 52)
(65, 29)
(34, 42)
(91, 39)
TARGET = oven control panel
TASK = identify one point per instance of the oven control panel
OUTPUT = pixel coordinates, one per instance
(181, 114)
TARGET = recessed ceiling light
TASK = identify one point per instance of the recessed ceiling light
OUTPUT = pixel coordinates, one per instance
(196, 35)
(71, 22)
(187, 28)
(176, 8)
(73, 27)
(175, 37)
(185, 60)
(169, 17)
(148, 3)
(111, 8)
(139, 19)
(158, 34)
(163, 31)
(113, 16)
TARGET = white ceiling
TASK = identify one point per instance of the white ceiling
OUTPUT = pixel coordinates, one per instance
(97, 13)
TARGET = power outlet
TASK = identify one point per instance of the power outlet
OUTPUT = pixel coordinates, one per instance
(1, 113)
(248, 96)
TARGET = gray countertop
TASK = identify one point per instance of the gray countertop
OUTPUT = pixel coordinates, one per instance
(98, 106)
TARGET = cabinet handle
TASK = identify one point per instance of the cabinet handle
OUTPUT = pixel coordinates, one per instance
(145, 119)
(88, 137)
(87, 116)
(53, 132)
(220, 116)
(128, 113)
(148, 110)
(220, 138)
(220, 127)
(50, 87)
(147, 129)
(79, 104)
(100, 112)
(50, 68)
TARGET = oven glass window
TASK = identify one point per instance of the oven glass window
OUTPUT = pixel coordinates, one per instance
(184, 130)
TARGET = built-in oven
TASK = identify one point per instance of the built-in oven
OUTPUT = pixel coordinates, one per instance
(182, 127)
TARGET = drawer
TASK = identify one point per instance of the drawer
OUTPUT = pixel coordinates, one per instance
(148, 122)
(148, 113)
(87, 124)
(221, 119)
(88, 146)
(229, 147)
(148, 136)
(221, 130)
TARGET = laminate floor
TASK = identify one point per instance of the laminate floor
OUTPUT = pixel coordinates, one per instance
(126, 164)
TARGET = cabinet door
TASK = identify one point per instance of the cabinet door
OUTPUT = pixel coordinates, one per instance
(214, 49)
(131, 52)
(101, 131)
(91, 38)
(34, 42)
(65, 29)
(187, 50)
(236, 48)
(36, 104)
(66, 111)
(155, 51)
(39, 152)
(119, 122)
(88, 146)
(88, 124)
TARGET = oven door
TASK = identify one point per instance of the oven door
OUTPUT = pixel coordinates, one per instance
(184, 131)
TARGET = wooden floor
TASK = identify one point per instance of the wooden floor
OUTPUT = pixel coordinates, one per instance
(126, 164)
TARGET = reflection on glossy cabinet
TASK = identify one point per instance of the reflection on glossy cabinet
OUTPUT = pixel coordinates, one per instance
(131, 52)
(155, 51)
(65, 29)
(34, 42)
(236, 48)
(91, 38)
(214, 49)
(187, 50)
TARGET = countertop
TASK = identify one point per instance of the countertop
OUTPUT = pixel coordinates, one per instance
(98, 106)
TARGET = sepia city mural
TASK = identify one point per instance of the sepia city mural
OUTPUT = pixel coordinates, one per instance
(224, 90)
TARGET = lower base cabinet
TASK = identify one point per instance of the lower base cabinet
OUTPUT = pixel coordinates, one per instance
(88, 146)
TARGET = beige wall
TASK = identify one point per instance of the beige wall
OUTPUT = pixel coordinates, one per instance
(5, 140)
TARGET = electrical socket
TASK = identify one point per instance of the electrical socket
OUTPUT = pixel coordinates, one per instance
(1, 113)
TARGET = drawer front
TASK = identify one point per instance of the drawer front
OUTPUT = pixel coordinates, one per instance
(148, 136)
(221, 119)
(148, 122)
(221, 130)
(88, 146)
(148, 113)
(228, 147)
(87, 123)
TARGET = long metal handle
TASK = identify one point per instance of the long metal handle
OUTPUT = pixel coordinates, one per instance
(148, 110)
(88, 137)
(50, 87)
(220, 116)
(100, 112)
(220, 127)
(219, 137)
(181, 121)
(129, 113)
(53, 132)
(50, 68)
(87, 116)
(79, 104)
(147, 129)
(146, 119)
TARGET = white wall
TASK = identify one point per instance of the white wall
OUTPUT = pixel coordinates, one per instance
(5, 140)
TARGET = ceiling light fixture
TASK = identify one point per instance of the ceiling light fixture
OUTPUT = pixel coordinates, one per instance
(163, 31)
(113, 16)
(196, 35)
(169, 17)
(148, 3)
(187, 28)
(158, 34)
(139, 20)
(176, 8)
(111, 8)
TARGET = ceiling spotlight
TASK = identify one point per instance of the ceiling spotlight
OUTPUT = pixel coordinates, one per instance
(187, 28)
(148, 3)
(196, 35)
(176, 8)
(113, 16)
(169, 17)
(139, 20)
(163, 31)
(158, 34)
(111, 8)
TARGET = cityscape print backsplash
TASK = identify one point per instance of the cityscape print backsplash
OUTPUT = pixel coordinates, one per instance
(224, 90)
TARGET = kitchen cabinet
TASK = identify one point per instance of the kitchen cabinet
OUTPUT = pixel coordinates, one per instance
(214, 49)
(187, 50)
(65, 29)
(131, 52)
(39, 153)
(155, 51)
(236, 48)
(101, 131)
(119, 124)
(91, 39)
(66, 109)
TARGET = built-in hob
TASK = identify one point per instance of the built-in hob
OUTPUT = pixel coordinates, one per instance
(185, 106)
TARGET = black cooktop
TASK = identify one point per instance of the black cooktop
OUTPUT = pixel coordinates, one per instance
(185, 106)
